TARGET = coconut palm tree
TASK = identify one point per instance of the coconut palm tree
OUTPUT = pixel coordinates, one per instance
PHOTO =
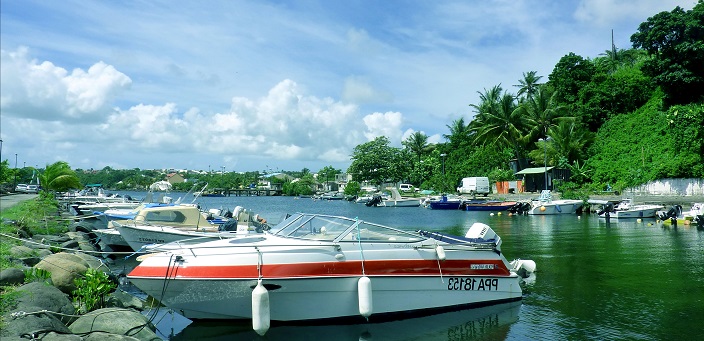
(501, 126)
(543, 111)
(59, 177)
(529, 85)
(417, 143)
(459, 132)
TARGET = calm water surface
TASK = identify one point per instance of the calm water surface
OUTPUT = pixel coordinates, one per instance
(625, 280)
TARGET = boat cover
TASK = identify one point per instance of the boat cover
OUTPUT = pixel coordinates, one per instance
(450, 239)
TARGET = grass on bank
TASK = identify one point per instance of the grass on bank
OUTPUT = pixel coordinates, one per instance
(24, 220)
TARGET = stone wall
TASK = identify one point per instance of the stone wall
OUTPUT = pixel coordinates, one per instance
(686, 187)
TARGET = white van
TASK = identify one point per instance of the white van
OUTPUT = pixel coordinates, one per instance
(405, 187)
(474, 185)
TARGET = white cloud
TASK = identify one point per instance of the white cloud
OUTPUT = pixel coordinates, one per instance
(358, 90)
(44, 91)
(384, 124)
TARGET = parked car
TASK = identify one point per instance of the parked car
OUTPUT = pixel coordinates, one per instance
(406, 188)
(32, 189)
(21, 188)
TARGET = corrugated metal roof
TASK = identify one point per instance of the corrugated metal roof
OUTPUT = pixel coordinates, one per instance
(535, 170)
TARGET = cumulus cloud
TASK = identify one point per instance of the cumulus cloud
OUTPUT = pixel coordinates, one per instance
(387, 124)
(44, 91)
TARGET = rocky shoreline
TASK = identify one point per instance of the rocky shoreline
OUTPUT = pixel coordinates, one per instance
(42, 308)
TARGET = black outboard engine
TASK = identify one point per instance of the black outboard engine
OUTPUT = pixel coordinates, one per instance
(674, 212)
(229, 226)
(608, 208)
(376, 200)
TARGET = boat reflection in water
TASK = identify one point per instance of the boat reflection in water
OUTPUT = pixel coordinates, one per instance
(491, 322)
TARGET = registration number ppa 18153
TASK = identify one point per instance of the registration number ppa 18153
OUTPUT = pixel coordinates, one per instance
(458, 283)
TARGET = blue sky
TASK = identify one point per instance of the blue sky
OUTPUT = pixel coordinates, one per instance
(280, 85)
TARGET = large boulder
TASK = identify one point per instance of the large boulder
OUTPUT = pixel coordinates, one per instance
(126, 322)
(121, 299)
(11, 276)
(21, 251)
(37, 307)
(84, 241)
(64, 269)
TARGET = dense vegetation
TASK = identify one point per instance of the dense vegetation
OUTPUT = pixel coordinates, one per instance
(625, 117)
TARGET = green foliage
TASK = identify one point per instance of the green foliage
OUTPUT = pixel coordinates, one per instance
(498, 174)
(649, 144)
(675, 41)
(37, 275)
(610, 94)
(91, 290)
(59, 177)
(353, 188)
(570, 75)
(377, 162)
(33, 217)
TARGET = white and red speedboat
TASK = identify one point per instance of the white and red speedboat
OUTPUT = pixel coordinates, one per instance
(312, 267)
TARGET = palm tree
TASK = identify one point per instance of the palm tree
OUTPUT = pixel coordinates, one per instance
(459, 132)
(59, 177)
(543, 111)
(570, 141)
(529, 85)
(488, 99)
(501, 126)
(417, 143)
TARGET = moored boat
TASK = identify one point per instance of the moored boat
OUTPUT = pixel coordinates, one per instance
(445, 203)
(627, 209)
(487, 205)
(317, 267)
(546, 205)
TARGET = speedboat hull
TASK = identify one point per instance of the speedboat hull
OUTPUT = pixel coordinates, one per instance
(647, 211)
(138, 236)
(291, 299)
(555, 207)
(323, 296)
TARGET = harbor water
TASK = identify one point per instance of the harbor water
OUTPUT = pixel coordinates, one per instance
(622, 280)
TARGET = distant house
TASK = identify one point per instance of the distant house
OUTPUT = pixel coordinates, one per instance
(174, 178)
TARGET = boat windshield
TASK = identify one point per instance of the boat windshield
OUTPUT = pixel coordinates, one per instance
(332, 228)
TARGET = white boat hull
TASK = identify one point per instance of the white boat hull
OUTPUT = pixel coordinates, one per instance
(140, 235)
(633, 213)
(335, 297)
(556, 207)
(110, 240)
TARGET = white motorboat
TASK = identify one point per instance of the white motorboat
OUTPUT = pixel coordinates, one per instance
(183, 216)
(545, 205)
(138, 235)
(396, 200)
(627, 209)
(675, 215)
(318, 267)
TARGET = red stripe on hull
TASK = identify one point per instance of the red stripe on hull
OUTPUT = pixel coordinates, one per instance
(334, 269)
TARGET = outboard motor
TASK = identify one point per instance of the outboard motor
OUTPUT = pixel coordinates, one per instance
(608, 208)
(376, 200)
(674, 212)
(229, 226)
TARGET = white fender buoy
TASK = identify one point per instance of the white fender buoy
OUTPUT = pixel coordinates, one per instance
(441, 252)
(261, 319)
(364, 292)
(529, 265)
